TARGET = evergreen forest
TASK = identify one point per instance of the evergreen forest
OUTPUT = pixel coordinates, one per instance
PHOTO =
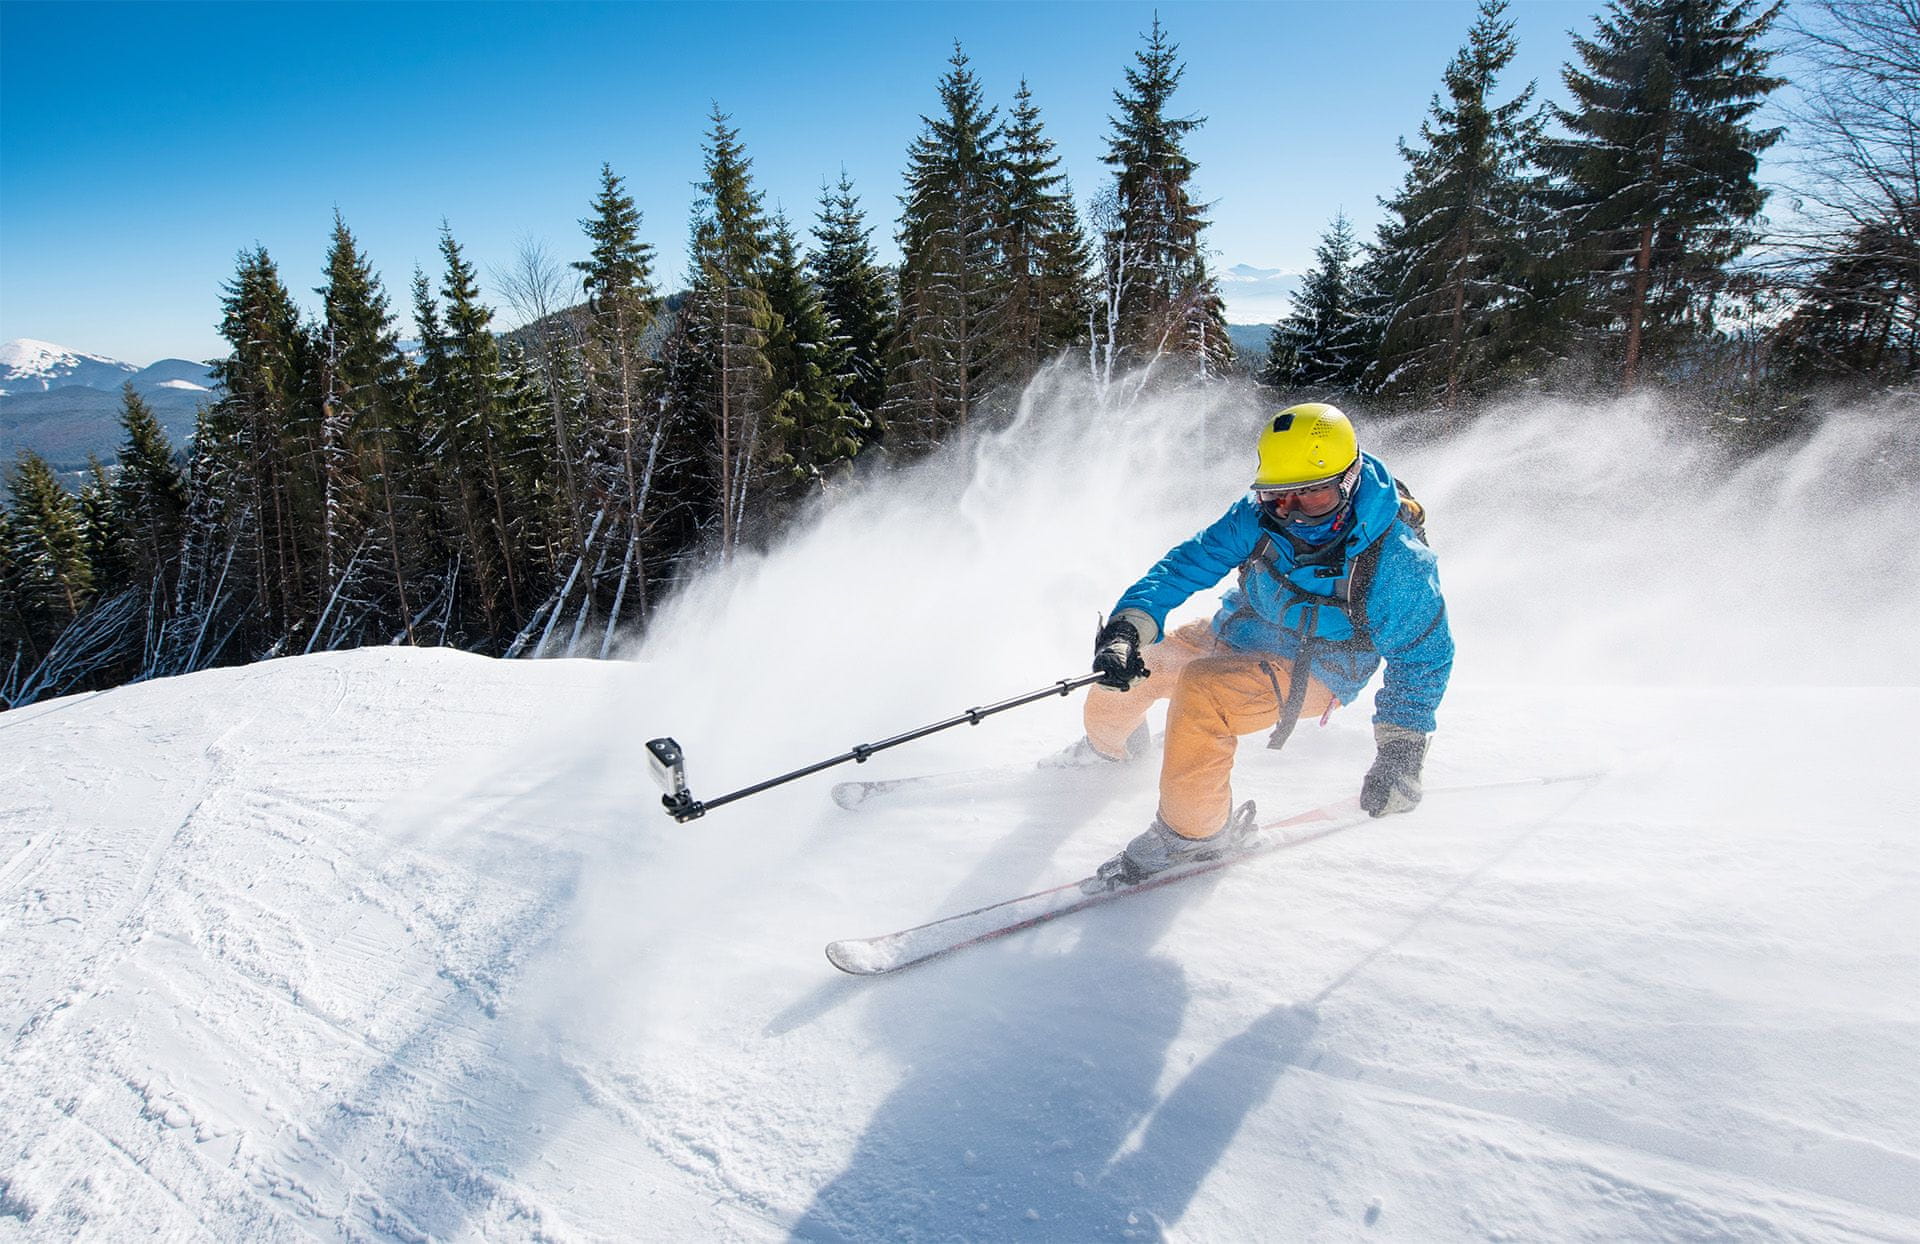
(540, 491)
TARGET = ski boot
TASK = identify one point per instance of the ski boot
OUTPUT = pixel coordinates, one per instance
(1082, 754)
(1159, 848)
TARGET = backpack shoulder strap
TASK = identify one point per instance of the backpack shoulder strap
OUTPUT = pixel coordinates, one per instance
(1260, 559)
(1367, 564)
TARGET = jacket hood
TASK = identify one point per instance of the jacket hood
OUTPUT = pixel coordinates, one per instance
(1376, 504)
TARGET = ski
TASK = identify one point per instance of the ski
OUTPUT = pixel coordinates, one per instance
(853, 795)
(889, 952)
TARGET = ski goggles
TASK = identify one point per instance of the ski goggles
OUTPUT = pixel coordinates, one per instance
(1315, 499)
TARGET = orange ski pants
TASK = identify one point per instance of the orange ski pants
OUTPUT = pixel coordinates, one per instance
(1218, 693)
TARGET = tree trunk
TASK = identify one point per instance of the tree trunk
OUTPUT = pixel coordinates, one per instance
(1637, 303)
(726, 435)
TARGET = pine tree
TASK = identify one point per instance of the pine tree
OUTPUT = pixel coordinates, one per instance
(150, 495)
(270, 404)
(622, 384)
(1658, 171)
(729, 303)
(817, 431)
(688, 471)
(1452, 259)
(455, 529)
(621, 305)
(1044, 296)
(374, 470)
(149, 501)
(109, 541)
(949, 276)
(1326, 342)
(618, 274)
(49, 551)
(855, 294)
(538, 530)
(216, 598)
(474, 440)
(1153, 261)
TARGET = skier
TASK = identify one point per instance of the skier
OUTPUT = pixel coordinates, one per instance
(1335, 574)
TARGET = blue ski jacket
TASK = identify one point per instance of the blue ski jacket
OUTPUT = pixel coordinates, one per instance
(1349, 622)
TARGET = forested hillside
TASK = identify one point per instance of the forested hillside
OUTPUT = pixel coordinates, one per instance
(541, 491)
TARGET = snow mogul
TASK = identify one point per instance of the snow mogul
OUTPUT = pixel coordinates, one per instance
(1335, 576)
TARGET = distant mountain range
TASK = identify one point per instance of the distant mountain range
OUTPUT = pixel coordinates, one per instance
(1257, 296)
(64, 404)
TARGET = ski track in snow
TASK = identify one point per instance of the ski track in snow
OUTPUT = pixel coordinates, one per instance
(284, 987)
(205, 941)
(395, 945)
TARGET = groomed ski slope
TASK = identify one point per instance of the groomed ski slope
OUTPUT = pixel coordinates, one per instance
(396, 945)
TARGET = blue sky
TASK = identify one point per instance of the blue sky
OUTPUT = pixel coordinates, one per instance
(143, 145)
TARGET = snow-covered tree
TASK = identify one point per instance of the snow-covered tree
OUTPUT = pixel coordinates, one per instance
(1452, 262)
(855, 293)
(48, 554)
(1045, 291)
(728, 309)
(481, 441)
(949, 275)
(1153, 254)
(1657, 169)
(151, 496)
(109, 540)
(608, 535)
(375, 489)
(621, 306)
(270, 408)
(1327, 342)
(815, 431)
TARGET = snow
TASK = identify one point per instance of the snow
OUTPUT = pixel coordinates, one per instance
(24, 354)
(183, 384)
(397, 945)
(30, 358)
(33, 366)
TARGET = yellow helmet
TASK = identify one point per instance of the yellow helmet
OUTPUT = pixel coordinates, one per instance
(1304, 444)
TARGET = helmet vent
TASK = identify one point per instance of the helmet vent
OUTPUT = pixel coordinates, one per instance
(1283, 421)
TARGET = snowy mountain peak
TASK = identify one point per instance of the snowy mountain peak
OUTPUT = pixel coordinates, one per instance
(24, 355)
(28, 366)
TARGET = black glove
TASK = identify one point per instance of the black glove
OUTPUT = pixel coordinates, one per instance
(1393, 784)
(1116, 655)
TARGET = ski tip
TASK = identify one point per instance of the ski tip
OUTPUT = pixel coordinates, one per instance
(856, 958)
(850, 795)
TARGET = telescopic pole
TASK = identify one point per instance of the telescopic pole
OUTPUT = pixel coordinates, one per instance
(669, 761)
